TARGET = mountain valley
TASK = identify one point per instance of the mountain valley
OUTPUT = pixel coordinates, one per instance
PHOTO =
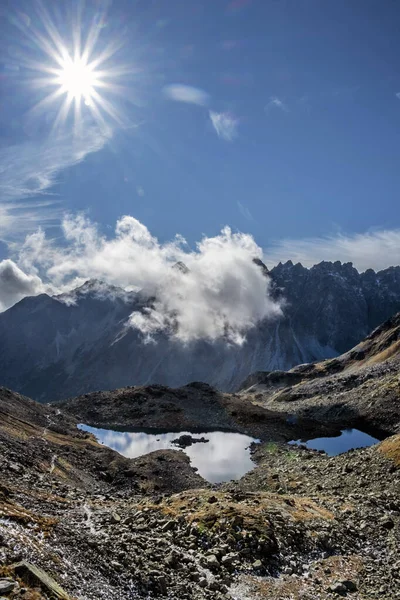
(79, 520)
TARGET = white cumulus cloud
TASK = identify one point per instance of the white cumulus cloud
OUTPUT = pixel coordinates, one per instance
(221, 294)
(15, 284)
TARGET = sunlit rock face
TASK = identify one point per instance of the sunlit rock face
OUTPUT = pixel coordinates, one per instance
(56, 347)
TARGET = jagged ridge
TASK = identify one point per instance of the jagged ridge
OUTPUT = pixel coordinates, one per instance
(56, 347)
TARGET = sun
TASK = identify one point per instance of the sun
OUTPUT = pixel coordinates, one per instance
(80, 73)
(78, 79)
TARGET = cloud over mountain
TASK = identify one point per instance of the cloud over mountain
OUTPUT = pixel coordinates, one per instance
(15, 284)
(221, 293)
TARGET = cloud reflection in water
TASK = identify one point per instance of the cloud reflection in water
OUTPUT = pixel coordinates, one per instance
(226, 456)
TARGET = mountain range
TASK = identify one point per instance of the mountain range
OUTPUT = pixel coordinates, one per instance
(54, 347)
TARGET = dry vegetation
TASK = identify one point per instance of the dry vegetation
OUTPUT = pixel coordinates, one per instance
(391, 448)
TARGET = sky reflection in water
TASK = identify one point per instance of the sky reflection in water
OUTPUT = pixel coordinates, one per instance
(226, 456)
(348, 439)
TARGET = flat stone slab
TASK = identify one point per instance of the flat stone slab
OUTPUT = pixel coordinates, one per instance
(35, 576)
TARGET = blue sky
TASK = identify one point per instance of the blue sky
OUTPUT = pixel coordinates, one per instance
(279, 118)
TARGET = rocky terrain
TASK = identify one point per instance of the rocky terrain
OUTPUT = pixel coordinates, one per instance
(196, 406)
(78, 342)
(79, 521)
(360, 388)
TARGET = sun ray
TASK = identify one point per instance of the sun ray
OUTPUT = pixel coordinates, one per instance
(96, 114)
(47, 100)
(91, 41)
(78, 115)
(63, 112)
(106, 106)
(111, 49)
(75, 72)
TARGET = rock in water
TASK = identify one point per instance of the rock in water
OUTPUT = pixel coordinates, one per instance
(186, 440)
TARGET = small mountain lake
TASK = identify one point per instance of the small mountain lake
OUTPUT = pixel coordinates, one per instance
(347, 440)
(223, 457)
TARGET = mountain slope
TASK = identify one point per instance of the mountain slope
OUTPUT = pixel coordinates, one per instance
(360, 387)
(56, 347)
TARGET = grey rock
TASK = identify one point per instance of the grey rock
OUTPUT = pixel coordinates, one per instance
(214, 586)
(162, 583)
(168, 526)
(15, 467)
(338, 588)
(350, 585)
(211, 562)
(187, 440)
(7, 586)
(386, 523)
(115, 518)
(229, 559)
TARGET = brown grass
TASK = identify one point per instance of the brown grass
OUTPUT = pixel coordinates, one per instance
(15, 512)
(251, 513)
(391, 448)
(34, 595)
(24, 431)
(384, 354)
(41, 495)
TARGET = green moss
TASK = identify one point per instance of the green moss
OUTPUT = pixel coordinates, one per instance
(271, 448)
(202, 528)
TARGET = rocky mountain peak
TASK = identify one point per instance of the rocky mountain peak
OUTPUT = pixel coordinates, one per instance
(263, 267)
(80, 341)
(95, 289)
(180, 266)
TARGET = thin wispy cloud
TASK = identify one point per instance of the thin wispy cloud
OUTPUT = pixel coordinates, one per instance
(275, 102)
(245, 212)
(186, 93)
(377, 250)
(398, 95)
(29, 170)
(21, 217)
(225, 125)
